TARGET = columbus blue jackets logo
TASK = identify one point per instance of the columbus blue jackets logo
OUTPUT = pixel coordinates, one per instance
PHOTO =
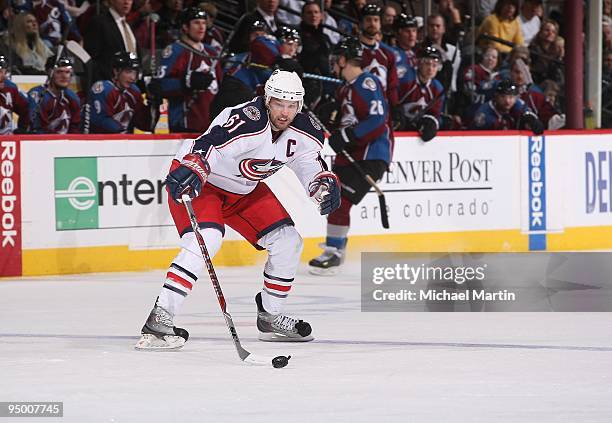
(252, 113)
(258, 169)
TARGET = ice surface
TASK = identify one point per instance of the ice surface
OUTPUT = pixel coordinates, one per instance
(71, 338)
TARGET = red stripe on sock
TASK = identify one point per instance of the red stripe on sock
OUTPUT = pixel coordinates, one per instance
(176, 278)
(277, 287)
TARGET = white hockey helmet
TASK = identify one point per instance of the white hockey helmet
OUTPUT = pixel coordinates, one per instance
(285, 86)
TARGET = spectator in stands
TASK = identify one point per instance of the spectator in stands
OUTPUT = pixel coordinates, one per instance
(329, 20)
(547, 52)
(265, 12)
(316, 48)
(607, 12)
(530, 18)
(503, 24)
(11, 101)
(484, 8)
(607, 36)
(422, 99)
(452, 20)
(606, 106)
(518, 52)
(506, 111)
(533, 96)
(55, 108)
(116, 106)
(316, 45)
(214, 37)
(6, 15)
(552, 92)
(30, 51)
(451, 56)
(479, 82)
(388, 17)
(288, 18)
(107, 34)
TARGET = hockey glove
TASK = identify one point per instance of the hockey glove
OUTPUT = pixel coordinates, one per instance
(325, 192)
(427, 127)
(531, 121)
(398, 118)
(556, 121)
(189, 177)
(342, 139)
(197, 81)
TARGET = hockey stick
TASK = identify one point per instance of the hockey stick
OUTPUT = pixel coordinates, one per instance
(247, 357)
(384, 217)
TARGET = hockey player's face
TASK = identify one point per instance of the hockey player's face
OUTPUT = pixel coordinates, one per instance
(2, 75)
(428, 68)
(61, 77)
(371, 25)
(126, 78)
(282, 113)
(504, 102)
(337, 63)
(197, 29)
(289, 49)
(407, 37)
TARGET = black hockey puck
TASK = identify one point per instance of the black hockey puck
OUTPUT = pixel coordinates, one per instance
(280, 361)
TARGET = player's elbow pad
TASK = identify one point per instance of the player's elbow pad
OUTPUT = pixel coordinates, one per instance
(428, 127)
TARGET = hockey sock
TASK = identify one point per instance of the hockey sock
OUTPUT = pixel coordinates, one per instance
(342, 216)
(336, 236)
(284, 247)
(186, 268)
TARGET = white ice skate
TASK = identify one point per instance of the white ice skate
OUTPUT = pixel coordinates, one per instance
(159, 332)
(280, 328)
(328, 263)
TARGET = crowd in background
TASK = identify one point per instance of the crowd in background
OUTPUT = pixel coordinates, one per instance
(514, 41)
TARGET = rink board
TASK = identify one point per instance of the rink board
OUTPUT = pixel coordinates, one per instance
(93, 203)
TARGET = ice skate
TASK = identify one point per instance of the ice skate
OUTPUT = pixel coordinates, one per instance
(280, 328)
(328, 263)
(159, 332)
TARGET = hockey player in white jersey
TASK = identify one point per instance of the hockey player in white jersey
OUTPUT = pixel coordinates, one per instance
(222, 171)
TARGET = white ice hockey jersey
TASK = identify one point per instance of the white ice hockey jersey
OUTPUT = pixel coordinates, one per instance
(241, 152)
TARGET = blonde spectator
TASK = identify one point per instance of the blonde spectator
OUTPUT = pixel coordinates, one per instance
(504, 24)
(547, 51)
(26, 43)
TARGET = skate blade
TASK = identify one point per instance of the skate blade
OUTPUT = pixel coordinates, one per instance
(275, 337)
(319, 271)
(149, 342)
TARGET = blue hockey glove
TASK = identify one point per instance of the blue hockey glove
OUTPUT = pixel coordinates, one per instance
(189, 177)
(325, 192)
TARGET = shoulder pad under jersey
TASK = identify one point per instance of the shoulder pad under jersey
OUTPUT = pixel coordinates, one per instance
(247, 118)
(305, 123)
